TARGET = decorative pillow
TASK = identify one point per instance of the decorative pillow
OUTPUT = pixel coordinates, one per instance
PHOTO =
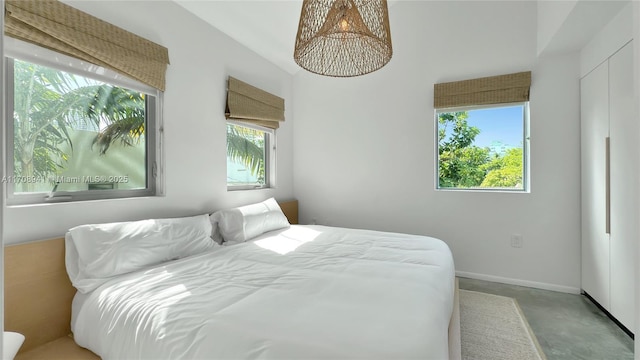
(246, 222)
(97, 252)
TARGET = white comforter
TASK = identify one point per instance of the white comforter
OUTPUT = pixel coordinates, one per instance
(307, 292)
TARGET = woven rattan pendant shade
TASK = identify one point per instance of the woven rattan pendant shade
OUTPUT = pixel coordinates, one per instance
(343, 38)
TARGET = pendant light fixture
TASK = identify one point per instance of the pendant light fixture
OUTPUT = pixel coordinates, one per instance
(343, 38)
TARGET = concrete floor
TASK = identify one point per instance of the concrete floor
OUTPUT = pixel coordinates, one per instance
(567, 326)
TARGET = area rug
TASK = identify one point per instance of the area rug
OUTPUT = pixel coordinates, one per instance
(493, 327)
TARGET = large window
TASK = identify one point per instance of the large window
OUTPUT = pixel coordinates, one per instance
(249, 156)
(483, 148)
(76, 131)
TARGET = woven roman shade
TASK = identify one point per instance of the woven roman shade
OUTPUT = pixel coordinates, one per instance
(62, 28)
(249, 104)
(500, 89)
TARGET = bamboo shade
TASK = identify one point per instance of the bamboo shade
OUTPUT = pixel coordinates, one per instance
(249, 104)
(62, 28)
(488, 90)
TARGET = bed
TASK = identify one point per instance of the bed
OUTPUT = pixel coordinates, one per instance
(295, 292)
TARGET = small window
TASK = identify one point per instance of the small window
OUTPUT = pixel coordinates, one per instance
(483, 148)
(75, 134)
(249, 156)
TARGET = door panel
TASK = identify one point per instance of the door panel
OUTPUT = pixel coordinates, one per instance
(624, 130)
(594, 130)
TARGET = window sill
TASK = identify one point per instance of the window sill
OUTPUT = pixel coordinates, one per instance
(71, 202)
(485, 190)
(248, 188)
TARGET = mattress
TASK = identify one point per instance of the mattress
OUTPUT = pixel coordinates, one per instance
(297, 293)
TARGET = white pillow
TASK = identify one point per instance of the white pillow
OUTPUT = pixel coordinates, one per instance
(97, 252)
(246, 222)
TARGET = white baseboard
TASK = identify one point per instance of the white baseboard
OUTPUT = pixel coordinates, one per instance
(527, 283)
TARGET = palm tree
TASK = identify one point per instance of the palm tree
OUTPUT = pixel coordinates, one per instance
(39, 125)
(246, 146)
(123, 113)
(48, 103)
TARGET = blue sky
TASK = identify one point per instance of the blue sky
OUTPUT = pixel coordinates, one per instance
(497, 124)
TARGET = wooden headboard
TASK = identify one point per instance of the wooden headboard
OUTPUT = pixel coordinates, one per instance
(290, 210)
(38, 292)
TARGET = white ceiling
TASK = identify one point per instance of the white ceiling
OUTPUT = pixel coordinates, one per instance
(267, 27)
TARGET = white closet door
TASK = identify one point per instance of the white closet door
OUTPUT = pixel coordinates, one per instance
(624, 131)
(594, 109)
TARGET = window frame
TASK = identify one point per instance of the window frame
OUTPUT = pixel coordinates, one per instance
(270, 157)
(154, 186)
(526, 166)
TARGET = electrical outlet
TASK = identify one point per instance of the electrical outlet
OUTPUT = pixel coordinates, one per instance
(516, 241)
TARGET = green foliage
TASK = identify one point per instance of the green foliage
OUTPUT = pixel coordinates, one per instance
(505, 171)
(463, 135)
(464, 165)
(246, 145)
(122, 110)
(39, 112)
(460, 161)
(47, 102)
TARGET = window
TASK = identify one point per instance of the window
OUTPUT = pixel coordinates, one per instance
(483, 147)
(76, 131)
(249, 156)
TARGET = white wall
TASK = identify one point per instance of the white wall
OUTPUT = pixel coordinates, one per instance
(568, 25)
(365, 147)
(551, 17)
(609, 40)
(195, 133)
